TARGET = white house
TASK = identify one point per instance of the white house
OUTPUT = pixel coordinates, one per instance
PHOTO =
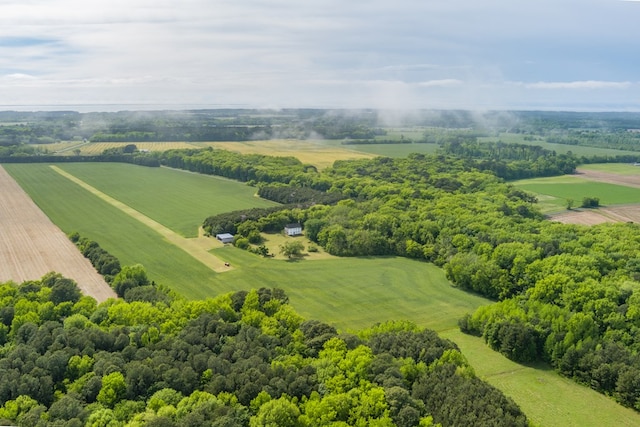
(225, 237)
(293, 229)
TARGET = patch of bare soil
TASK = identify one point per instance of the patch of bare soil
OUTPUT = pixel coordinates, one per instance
(31, 245)
(611, 178)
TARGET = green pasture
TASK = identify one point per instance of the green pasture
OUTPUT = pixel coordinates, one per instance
(73, 208)
(177, 199)
(554, 192)
(354, 293)
(578, 150)
(387, 150)
(548, 399)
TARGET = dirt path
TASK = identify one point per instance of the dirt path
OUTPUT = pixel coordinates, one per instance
(32, 246)
(198, 247)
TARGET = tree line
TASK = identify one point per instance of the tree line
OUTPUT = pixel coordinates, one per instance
(239, 359)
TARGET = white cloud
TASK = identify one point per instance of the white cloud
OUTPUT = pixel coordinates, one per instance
(586, 84)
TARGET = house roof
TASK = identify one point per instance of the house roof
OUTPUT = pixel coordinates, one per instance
(224, 236)
(293, 225)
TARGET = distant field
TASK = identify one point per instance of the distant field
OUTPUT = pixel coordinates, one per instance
(314, 152)
(558, 148)
(394, 150)
(613, 168)
(554, 192)
(548, 399)
(177, 199)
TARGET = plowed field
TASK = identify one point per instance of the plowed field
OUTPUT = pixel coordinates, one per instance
(31, 245)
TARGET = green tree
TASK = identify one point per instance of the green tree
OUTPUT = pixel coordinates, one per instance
(292, 248)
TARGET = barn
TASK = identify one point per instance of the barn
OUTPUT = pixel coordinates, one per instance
(225, 237)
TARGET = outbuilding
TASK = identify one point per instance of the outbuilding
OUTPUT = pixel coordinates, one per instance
(293, 229)
(225, 237)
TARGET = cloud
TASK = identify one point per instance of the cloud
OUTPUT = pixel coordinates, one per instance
(319, 53)
(587, 84)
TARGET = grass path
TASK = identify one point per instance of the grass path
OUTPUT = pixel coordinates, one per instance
(197, 247)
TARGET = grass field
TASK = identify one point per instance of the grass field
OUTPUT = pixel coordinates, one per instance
(177, 199)
(554, 192)
(314, 152)
(548, 399)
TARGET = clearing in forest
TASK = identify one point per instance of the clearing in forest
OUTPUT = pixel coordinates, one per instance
(32, 246)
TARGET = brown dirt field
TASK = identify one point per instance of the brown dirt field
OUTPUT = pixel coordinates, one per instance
(31, 245)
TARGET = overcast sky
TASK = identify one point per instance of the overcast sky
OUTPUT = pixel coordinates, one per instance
(468, 54)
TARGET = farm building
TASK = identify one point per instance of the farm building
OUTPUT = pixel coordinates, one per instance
(293, 229)
(225, 237)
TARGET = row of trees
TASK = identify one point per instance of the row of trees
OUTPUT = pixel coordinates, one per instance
(242, 359)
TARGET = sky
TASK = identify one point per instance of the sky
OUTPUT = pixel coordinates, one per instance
(579, 55)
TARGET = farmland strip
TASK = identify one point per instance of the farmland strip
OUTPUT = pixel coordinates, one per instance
(32, 246)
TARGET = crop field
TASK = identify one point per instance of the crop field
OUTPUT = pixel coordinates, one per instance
(314, 152)
(72, 208)
(177, 199)
(548, 399)
(554, 192)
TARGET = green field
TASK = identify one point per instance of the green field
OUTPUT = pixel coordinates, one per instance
(177, 199)
(554, 192)
(387, 150)
(548, 399)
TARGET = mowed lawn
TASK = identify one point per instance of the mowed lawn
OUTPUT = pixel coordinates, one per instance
(177, 199)
(554, 192)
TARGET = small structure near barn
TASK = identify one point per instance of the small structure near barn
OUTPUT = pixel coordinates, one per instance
(293, 229)
(225, 237)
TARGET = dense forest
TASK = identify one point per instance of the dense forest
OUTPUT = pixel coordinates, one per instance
(242, 359)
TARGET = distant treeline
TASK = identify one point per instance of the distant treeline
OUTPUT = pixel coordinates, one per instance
(136, 159)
